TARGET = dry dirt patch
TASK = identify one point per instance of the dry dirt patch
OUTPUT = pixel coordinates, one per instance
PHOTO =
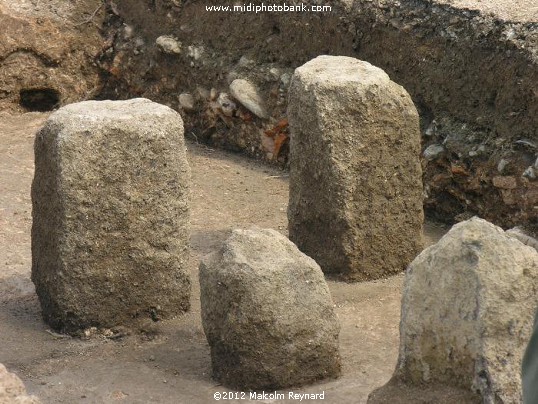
(168, 362)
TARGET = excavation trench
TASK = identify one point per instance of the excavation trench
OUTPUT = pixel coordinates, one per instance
(470, 67)
(471, 75)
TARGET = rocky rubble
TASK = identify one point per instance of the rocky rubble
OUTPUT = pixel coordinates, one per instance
(471, 75)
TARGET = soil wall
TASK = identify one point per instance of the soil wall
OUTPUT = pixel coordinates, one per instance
(473, 76)
(47, 52)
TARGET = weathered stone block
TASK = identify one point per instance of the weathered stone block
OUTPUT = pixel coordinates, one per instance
(355, 176)
(110, 214)
(267, 313)
(467, 312)
(12, 389)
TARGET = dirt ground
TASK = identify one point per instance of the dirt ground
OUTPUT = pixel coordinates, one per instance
(168, 362)
(513, 10)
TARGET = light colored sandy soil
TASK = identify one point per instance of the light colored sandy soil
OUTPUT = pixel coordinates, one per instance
(169, 362)
(509, 10)
(56, 9)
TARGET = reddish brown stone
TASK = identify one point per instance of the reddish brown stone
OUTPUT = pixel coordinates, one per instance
(504, 182)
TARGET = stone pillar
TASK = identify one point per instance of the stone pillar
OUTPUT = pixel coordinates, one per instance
(267, 314)
(355, 176)
(467, 312)
(12, 389)
(110, 214)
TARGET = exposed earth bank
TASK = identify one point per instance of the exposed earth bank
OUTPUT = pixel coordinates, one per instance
(470, 66)
(47, 52)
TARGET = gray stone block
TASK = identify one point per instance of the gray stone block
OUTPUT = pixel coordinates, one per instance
(467, 312)
(110, 214)
(267, 314)
(355, 176)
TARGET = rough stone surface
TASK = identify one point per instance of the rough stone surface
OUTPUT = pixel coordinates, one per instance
(355, 177)
(267, 313)
(12, 389)
(110, 214)
(467, 312)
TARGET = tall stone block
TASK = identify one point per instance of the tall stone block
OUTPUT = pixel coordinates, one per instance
(355, 177)
(467, 312)
(110, 214)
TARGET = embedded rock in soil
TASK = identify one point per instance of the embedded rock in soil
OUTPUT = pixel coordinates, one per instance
(467, 312)
(186, 101)
(169, 45)
(267, 313)
(110, 215)
(12, 389)
(355, 178)
(248, 96)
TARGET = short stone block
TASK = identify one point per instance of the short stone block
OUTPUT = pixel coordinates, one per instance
(267, 314)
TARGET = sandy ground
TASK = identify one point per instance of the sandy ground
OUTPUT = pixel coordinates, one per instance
(169, 361)
(509, 10)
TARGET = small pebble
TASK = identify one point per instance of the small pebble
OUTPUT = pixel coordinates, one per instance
(186, 101)
(433, 151)
(530, 173)
(502, 165)
(168, 44)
